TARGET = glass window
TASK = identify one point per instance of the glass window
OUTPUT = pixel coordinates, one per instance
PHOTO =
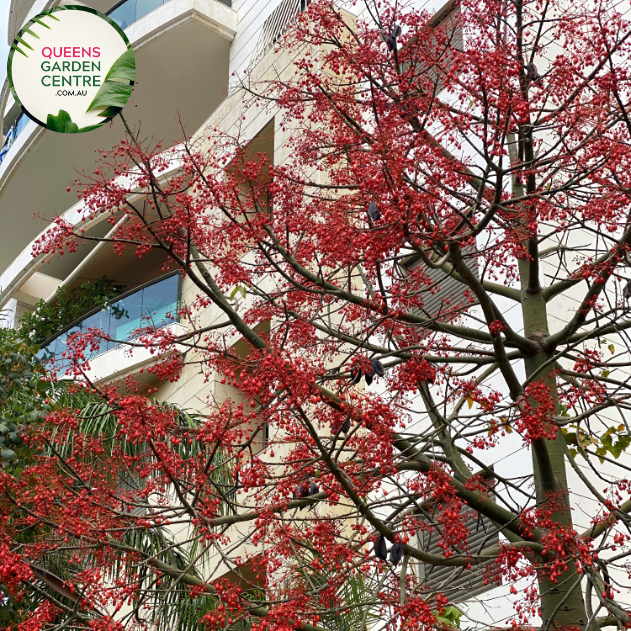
(155, 305)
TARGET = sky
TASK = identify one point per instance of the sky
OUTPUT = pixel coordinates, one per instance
(4, 49)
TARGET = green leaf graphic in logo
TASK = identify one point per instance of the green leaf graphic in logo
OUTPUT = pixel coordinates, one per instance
(62, 123)
(27, 30)
(117, 87)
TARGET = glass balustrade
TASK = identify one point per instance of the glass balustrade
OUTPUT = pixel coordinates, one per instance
(153, 305)
(130, 11)
(14, 131)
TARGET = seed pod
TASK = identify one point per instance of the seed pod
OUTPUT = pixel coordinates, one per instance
(396, 552)
(377, 367)
(368, 379)
(373, 211)
(381, 551)
(356, 376)
(532, 75)
(314, 490)
(347, 426)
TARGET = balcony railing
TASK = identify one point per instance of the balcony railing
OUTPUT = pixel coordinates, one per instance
(129, 11)
(14, 131)
(154, 304)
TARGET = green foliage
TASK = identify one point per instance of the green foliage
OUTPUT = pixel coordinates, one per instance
(22, 396)
(118, 85)
(11, 612)
(239, 289)
(356, 591)
(21, 393)
(613, 441)
(449, 618)
(47, 320)
(170, 607)
(62, 123)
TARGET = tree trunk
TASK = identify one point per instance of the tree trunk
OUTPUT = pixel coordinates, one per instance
(562, 605)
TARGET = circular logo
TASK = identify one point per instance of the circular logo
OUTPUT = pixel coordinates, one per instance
(71, 69)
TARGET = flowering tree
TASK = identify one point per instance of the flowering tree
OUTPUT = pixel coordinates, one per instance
(430, 290)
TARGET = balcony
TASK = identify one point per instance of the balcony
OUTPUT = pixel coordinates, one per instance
(14, 131)
(154, 304)
(129, 11)
(182, 50)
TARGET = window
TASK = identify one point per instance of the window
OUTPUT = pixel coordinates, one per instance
(276, 25)
(457, 583)
(446, 37)
(443, 294)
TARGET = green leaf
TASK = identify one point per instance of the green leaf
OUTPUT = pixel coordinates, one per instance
(453, 614)
(110, 112)
(19, 39)
(611, 348)
(605, 373)
(61, 123)
(118, 84)
(42, 23)
(19, 50)
(9, 454)
(111, 94)
(238, 289)
(91, 127)
(123, 68)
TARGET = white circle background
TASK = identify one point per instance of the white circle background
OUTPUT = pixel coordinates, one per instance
(75, 28)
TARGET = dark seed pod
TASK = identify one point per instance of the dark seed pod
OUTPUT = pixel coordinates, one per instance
(391, 38)
(626, 292)
(377, 367)
(373, 211)
(396, 552)
(356, 376)
(347, 426)
(314, 490)
(381, 551)
(532, 75)
(368, 379)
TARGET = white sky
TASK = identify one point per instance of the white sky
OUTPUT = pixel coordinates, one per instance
(4, 49)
